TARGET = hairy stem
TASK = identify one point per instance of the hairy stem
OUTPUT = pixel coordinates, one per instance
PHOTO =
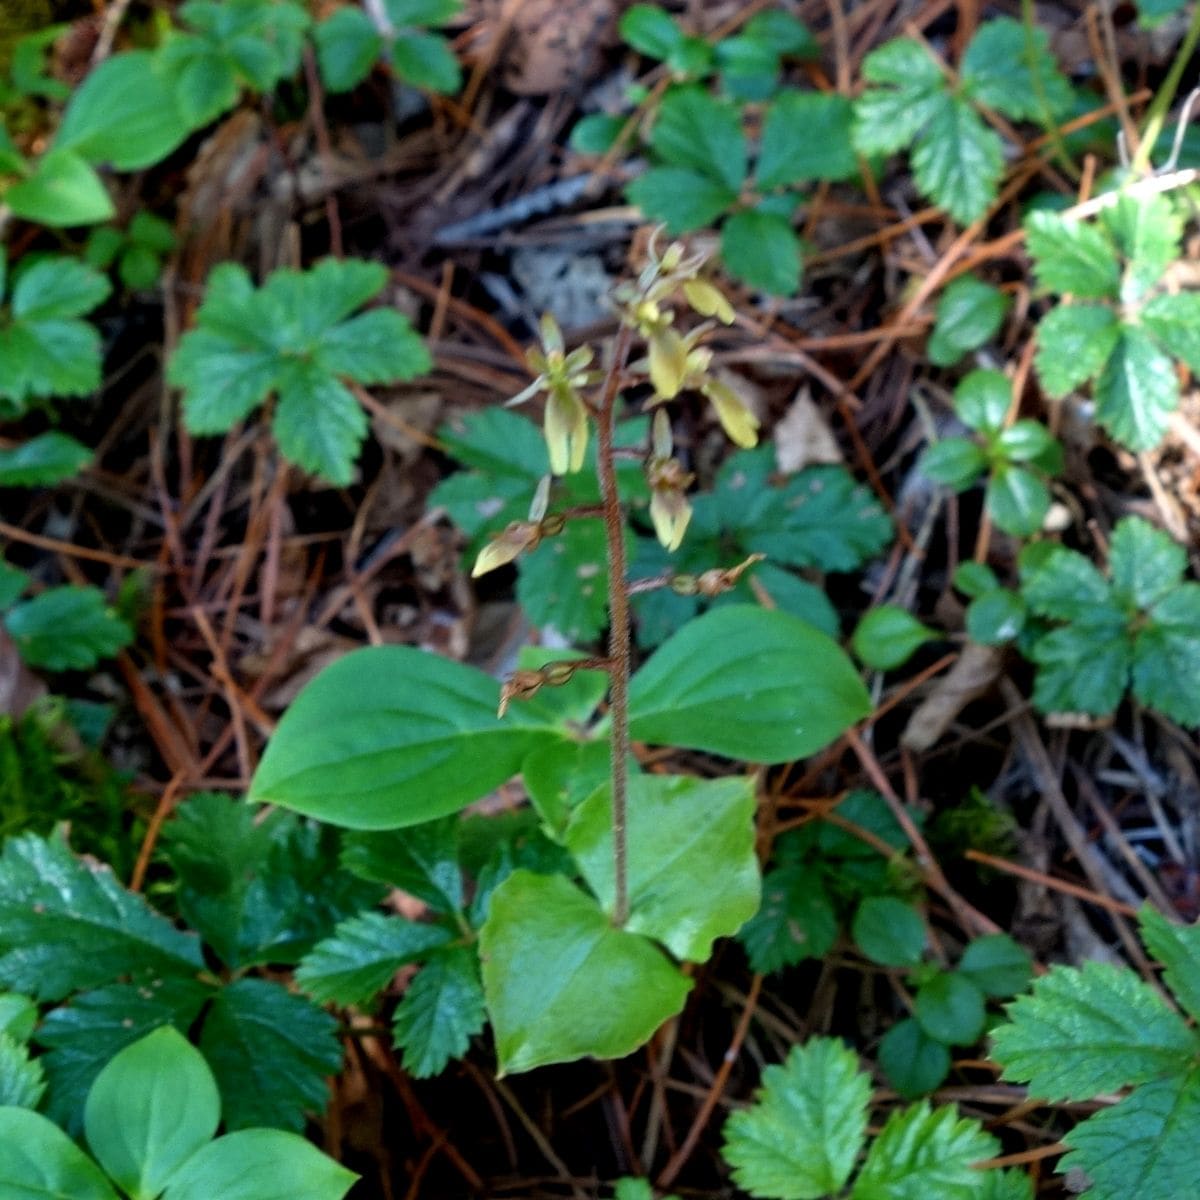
(618, 629)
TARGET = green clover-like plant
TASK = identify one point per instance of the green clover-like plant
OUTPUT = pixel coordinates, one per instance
(1017, 458)
(295, 339)
(137, 251)
(913, 103)
(1138, 627)
(1122, 330)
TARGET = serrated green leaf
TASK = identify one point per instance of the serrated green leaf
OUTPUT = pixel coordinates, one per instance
(1166, 655)
(761, 249)
(562, 983)
(22, 1079)
(85, 1034)
(318, 423)
(1072, 256)
(1177, 947)
(260, 1164)
(1074, 341)
(749, 67)
(680, 197)
(1086, 1031)
(39, 1161)
(1065, 586)
(347, 47)
(1145, 563)
(378, 346)
(969, 313)
(1174, 322)
(151, 1108)
(46, 459)
(996, 965)
(914, 1063)
(1083, 667)
(695, 130)
(67, 628)
(358, 961)
(888, 636)
(790, 153)
(922, 1152)
(66, 924)
(795, 921)
(955, 462)
(390, 736)
(442, 1009)
(692, 871)
(18, 1016)
(888, 931)
(270, 1052)
(1137, 391)
(1017, 500)
(564, 582)
(1008, 67)
(801, 1137)
(1143, 1148)
(949, 1007)
(57, 288)
(747, 683)
(909, 93)
(958, 161)
(1148, 231)
(1013, 1184)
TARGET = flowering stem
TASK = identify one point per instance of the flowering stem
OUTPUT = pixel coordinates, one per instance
(618, 630)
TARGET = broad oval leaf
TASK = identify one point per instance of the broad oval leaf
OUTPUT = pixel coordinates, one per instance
(38, 1160)
(390, 736)
(693, 873)
(151, 1108)
(747, 683)
(261, 1164)
(561, 983)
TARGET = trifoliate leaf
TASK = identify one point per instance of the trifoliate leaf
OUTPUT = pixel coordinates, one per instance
(67, 925)
(1137, 391)
(1174, 322)
(1145, 563)
(22, 1079)
(1177, 947)
(1074, 341)
(1072, 256)
(695, 130)
(958, 161)
(1143, 1148)
(46, 459)
(86, 1034)
(1008, 67)
(969, 313)
(922, 1152)
(790, 153)
(761, 249)
(906, 91)
(441, 1011)
(795, 921)
(270, 1052)
(680, 197)
(359, 960)
(1166, 655)
(914, 1063)
(1086, 1031)
(801, 1137)
(294, 337)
